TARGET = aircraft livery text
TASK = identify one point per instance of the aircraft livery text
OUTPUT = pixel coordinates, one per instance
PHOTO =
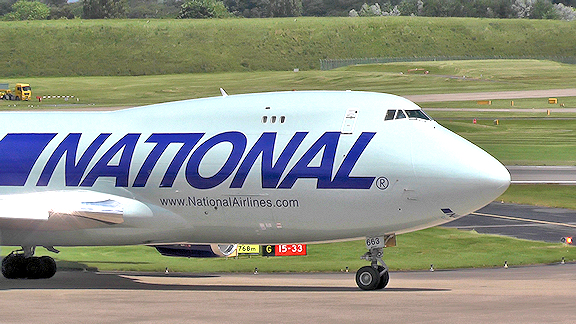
(19, 152)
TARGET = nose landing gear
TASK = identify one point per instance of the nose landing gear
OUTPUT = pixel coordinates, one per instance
(23, 264)
(375, 276)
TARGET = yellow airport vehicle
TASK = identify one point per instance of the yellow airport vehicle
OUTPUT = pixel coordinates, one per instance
(22, 91)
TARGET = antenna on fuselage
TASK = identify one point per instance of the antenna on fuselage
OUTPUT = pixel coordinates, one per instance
(223, 92)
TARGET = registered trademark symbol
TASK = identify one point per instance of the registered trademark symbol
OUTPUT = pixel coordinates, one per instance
(382, 183)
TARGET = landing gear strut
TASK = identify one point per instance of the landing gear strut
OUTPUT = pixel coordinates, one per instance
(23, 264)
(375, 276)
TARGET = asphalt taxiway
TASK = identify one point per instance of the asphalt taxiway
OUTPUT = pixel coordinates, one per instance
(520, 221)
(542, 294)
(524, 221)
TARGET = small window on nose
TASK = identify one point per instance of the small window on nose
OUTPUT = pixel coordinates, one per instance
(390, 114)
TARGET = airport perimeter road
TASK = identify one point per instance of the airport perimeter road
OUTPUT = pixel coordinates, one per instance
(469, 96)
(543, 294)
(492, 95)
(542, 174)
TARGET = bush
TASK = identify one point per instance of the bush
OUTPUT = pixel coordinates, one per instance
(67, 11)
(6, 6)
(203, 9)
(543, 9)
(100, 9)
(375, 10)
(565, 12)
(286, 8)
(153, 8)
(28, 10)
(534, 9)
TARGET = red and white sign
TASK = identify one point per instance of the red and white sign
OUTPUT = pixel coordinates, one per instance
(290, 249)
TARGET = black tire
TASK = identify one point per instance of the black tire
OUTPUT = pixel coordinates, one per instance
(384, 278)
(367, 278)
(49, 267)
(14, 266)
(34, 268)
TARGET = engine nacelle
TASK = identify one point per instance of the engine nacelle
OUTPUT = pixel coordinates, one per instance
(197, 250)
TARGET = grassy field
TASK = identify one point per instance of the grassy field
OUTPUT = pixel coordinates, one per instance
(445, 248)
(498, 105)
(494, 75)
(144, 47)
(521, 141)
(472, 76)
(541, 195)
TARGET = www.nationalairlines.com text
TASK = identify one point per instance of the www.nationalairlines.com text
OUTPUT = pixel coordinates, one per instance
(232, 202)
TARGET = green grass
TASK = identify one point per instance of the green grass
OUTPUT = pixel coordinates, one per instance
(541, 195)
(525, 104)
(445, 248)
(139, 90)
(522, 141)
(144, 47)
(481, 76)
(503, 72)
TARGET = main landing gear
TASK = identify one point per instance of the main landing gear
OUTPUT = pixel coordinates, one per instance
(23, 264)
(375, 276)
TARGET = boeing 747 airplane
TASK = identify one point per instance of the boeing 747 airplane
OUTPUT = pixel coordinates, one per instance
(286, 167)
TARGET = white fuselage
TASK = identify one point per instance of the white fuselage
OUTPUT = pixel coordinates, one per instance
(258, 168)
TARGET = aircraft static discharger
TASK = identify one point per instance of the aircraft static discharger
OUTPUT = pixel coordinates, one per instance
(267, 168)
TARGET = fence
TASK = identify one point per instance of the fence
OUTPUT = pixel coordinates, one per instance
(329, 64)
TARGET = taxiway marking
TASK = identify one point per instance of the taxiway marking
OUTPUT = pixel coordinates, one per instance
(524, 219)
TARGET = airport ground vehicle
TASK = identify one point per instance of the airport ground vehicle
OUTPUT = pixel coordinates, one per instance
(22, 91)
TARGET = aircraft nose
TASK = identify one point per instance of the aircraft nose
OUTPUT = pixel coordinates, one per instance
(466, 178)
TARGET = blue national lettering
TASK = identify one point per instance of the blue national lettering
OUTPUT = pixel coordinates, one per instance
(19, 152)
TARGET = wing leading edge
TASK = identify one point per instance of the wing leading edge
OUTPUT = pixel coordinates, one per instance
(64, 210)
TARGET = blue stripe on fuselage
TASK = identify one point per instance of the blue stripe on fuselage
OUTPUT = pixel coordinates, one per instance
(18, 154)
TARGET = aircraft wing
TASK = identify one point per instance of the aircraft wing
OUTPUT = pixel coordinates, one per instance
(64, 210)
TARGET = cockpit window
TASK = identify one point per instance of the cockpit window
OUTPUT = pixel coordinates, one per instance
(400, 115)
(418, 114)
(390, 114)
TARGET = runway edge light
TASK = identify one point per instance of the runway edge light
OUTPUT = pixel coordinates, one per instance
(566, 240)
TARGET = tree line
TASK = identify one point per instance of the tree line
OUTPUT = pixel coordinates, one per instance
(99, 9)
